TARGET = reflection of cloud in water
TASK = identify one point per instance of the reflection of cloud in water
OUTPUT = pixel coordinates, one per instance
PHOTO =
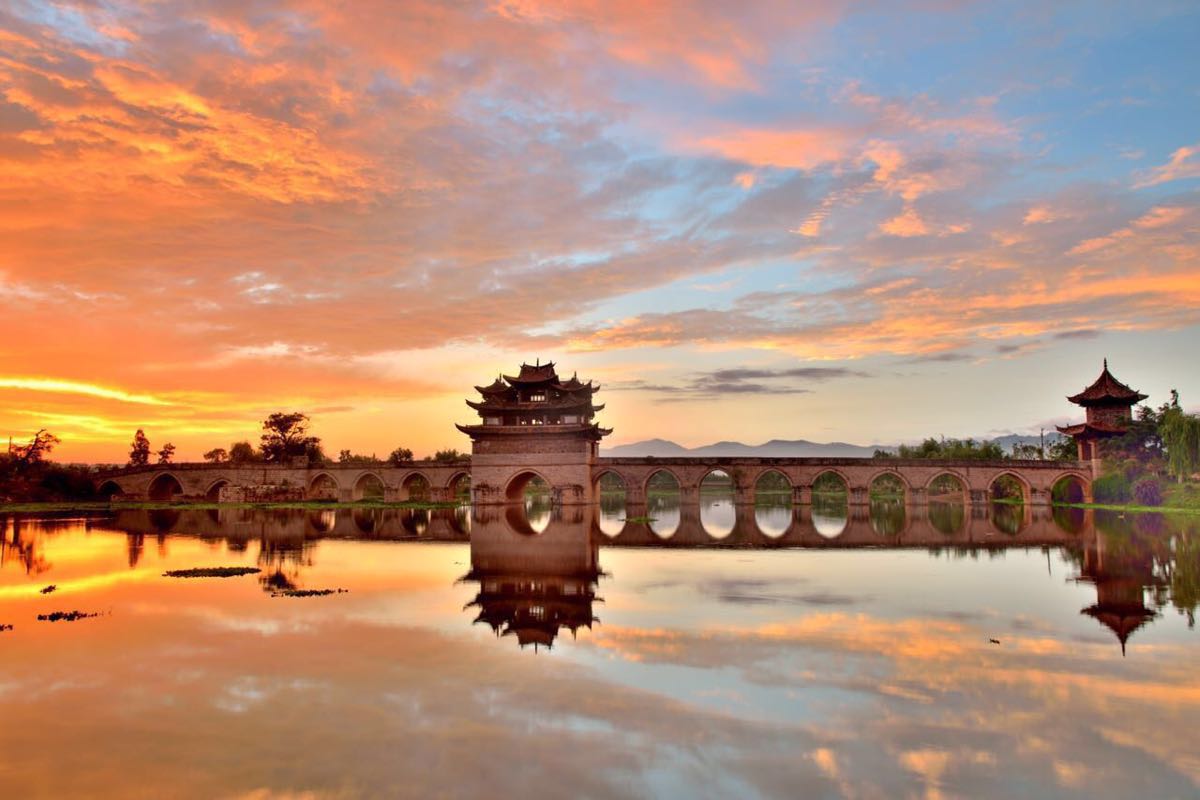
(764, 592)
(829, 523)
(773, 520)
(611, 519)
(664, 515)
(717, 516)
(537, 512)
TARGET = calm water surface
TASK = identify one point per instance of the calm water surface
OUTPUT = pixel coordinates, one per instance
(694, 652)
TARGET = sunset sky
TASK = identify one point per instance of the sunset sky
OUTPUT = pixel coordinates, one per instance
(747, 220)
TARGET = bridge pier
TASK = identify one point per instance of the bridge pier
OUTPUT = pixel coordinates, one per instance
(802, 495)
(980, 497)
(860, 496)
(743, 496)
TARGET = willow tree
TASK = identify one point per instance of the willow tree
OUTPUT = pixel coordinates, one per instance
(1181, 439)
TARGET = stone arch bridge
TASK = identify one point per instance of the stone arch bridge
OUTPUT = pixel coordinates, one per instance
(920, 479)
(437, 481)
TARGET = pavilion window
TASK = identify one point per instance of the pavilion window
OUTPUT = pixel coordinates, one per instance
(537, 397)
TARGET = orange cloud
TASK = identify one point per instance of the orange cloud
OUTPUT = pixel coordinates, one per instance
(786, 149)
(908, 223)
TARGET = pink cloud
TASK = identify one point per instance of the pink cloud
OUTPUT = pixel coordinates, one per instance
(1182, 165)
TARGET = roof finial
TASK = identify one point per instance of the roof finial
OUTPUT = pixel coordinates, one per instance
(1106, 362)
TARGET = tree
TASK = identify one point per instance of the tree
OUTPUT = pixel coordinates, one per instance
(139, 451)
(448, 455)
(217, 455)
(1180, 434)
(399, 455)
(36, 451)
(166, 453)
(1142, 440)
(286, 436)
(242, 453)
(1062, 449)
(1028, 452)
(958, 449)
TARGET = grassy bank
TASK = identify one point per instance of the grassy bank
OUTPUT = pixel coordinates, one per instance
(299, 505)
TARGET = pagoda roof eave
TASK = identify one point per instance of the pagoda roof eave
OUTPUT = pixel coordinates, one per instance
(519, 406)
(1090, 430)
(1106, 390)
(535, 430)
(519, 381)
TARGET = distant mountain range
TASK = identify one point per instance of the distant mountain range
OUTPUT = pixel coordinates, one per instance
(781, 448)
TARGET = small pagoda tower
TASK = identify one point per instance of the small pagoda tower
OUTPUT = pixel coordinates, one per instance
(534, 425)
(1109, 405)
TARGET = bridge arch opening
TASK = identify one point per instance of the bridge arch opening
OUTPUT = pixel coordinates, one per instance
(1068, 489)
(415, 521)
(526, 484)
(947, 509)
(108, 489)
(460, 486)
(369, 486)
(946, 518)
(530, 494)
(323, 487)
(773, 503)
(773, 521)
(887, 494)
(528, 524)
(830, 504)
(416, 487)
(165, 488)
(947, 487)
(1070, 519)
(772, 486)
(888, 485)
(367, 520)
(322, 522)
(213, 494)
(1007, 518)
(163, 520)
(662, 503)
(612, 492)
(717, 513)
(460, 519)
(1009, 488)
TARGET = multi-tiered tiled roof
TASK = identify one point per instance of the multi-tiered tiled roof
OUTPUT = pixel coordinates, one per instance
(537, 396)
(1107, 390)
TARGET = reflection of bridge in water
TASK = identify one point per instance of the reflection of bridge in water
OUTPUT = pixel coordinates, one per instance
(538, 572)
(931, 526)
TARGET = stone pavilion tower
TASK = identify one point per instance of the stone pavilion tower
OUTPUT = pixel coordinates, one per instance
(1109, 405)
(534, 425)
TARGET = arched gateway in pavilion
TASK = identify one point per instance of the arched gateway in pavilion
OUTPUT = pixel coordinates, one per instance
(536, 425)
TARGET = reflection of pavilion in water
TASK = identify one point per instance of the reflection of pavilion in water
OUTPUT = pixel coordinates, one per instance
(537, 566)
(537, 573)
(1122, 570)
